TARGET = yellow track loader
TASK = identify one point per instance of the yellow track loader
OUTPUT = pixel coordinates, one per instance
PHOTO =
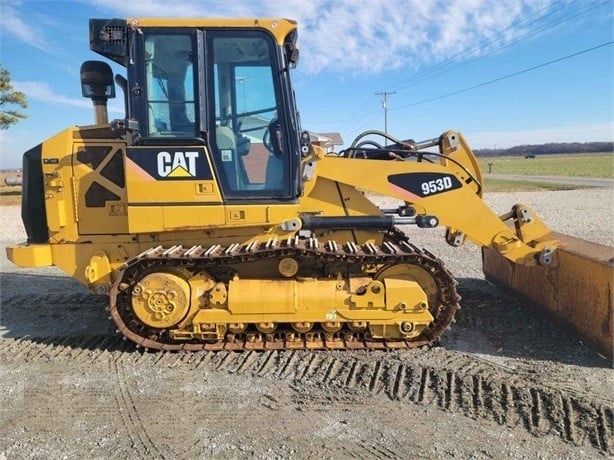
(211, 221)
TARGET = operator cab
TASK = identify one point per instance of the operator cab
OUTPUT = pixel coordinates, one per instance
(227, 88)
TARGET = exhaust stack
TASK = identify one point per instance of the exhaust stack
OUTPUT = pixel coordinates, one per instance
(97, 84)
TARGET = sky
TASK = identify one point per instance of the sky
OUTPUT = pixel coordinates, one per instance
(503, 73)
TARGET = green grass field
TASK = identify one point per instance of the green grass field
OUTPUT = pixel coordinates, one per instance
(578, 165)
(497, 185)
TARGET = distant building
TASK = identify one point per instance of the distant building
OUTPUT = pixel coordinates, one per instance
(327, 140)
(253, 127)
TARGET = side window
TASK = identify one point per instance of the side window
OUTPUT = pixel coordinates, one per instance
(245, 100)
(256, 110)
(169, 76)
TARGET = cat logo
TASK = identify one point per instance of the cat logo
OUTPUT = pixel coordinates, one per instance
(169, 164)
(177, 164)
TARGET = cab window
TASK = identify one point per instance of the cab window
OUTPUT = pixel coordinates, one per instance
(247, 130)
(170, 87)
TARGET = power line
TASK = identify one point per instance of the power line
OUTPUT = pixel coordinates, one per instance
(503, 78)
(543, 19)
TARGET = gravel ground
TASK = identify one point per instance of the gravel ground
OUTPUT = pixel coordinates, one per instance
(504, 383)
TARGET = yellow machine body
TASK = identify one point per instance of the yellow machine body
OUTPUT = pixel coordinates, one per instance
(220, 225)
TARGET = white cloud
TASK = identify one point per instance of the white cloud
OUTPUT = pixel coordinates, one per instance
(367, 36)
(13, 25)
(13, 143)
(42, 92)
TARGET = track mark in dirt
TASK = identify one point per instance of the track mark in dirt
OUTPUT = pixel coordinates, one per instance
(289, 367)
(536, 410)
(13, 348)
(86, 349)
(351, 378)
(460, 384)
(605, 428)
(268, 364)
(34, 298)
(477, 397)
(332, 370)
(375, 381)
(370, 450)
(270, 402)
(312, 366)
(228, 359)
(423, 386)
(398, 381)
(140, 440)
(451, 402)
(247, 361)
(493, 396)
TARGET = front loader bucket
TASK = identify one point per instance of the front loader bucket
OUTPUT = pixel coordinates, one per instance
(578, 292)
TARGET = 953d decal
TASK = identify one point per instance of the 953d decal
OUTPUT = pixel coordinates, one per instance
(425, 184)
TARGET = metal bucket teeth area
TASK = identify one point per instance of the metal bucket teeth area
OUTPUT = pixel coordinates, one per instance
(577, 292)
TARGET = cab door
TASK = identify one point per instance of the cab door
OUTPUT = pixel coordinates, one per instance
(248, 132)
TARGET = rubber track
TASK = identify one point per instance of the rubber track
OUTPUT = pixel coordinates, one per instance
(458, 384)
(396, 249)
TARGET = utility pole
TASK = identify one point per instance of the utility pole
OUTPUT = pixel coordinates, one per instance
(385, 95)
(243, 81)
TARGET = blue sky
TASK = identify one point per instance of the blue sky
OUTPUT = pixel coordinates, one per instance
(436, 59)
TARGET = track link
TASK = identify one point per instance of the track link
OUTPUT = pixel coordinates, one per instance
(394, 250)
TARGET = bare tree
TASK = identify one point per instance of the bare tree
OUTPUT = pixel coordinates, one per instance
(9, 116)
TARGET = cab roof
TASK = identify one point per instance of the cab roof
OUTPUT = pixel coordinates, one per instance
(279, 27)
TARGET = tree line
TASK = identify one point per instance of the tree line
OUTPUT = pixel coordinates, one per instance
(548, 149)
(8, 99)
